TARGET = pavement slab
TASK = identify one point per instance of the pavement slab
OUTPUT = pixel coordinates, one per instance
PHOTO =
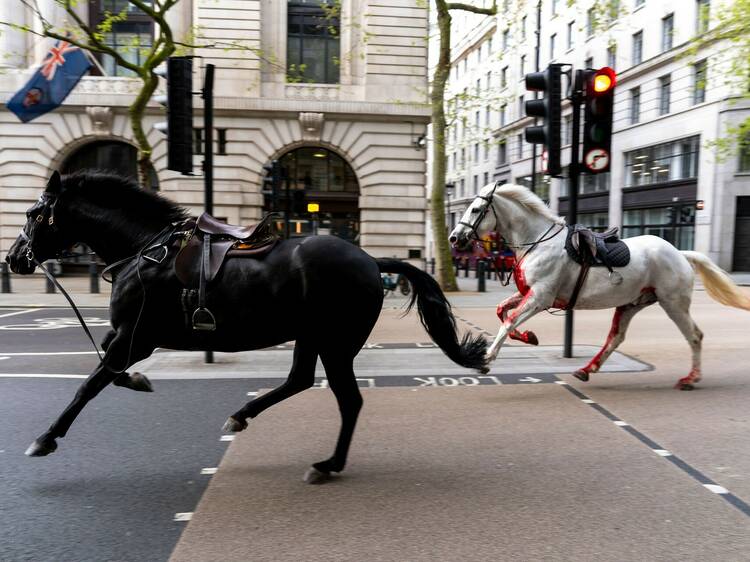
(482, 473)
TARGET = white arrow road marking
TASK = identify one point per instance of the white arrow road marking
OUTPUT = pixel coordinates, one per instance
(529, 379)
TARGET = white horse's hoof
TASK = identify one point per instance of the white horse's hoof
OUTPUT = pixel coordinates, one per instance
(581, 375)
(314, 476)
(233, 425)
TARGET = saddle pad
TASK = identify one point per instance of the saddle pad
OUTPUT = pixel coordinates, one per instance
(615, 253)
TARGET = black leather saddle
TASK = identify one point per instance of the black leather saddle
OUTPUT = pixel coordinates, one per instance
(596, 249)
(210, 244)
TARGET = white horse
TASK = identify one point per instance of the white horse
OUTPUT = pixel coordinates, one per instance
(546, 276)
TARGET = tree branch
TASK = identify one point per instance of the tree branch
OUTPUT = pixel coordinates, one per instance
(474, 9)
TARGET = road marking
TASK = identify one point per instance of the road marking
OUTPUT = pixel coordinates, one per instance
(227, 438)
(40, 376)
(252, 393)
(19, 312)
(185, 516)
(209, 470)
(43, 353)
(688, 469)
(662, 452)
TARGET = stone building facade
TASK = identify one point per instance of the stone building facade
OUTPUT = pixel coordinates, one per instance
(351, 124)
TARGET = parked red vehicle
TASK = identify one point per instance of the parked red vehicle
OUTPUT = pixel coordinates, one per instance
(490, 248)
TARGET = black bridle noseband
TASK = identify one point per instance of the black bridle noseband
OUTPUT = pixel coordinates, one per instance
(482, 213)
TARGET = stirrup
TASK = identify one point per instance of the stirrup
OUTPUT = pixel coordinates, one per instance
(203, 320)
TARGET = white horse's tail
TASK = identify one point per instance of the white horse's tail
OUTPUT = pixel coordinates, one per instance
(717, 282)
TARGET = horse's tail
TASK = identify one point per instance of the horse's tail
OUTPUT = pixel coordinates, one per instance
(717, 282)
(436, 316)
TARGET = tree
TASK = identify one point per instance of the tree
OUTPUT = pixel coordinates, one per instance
(444, 264)
(92, 39)
(731, 22)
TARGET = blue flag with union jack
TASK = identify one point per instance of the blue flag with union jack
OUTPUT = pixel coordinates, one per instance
(61, 70)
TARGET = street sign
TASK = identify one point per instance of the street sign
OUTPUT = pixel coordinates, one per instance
(596, 159)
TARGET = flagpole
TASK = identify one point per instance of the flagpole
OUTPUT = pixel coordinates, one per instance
(95, 62)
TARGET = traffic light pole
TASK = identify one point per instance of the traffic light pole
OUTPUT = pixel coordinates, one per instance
(576, 99)
(536, 69)
(208, 151)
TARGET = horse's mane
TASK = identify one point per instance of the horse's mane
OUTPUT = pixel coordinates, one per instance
(108, 190)
(528, 199)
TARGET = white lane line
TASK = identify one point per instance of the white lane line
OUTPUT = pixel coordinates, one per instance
(560, 382)
(186, 516)
(716, 489)
(19, 312)
(40, 376)
(587, 401)
(662, 452)
(227, 438)
(619, 423)
(209, 470)
(42, 353)
(252, 394)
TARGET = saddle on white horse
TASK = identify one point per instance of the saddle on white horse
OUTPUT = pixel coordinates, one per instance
(604, 249)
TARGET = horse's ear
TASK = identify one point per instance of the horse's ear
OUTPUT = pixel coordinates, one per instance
(54, 185)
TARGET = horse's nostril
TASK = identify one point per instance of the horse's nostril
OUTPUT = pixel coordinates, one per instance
(452, 239)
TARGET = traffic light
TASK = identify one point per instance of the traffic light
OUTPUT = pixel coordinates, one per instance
(547, 108)
(597, 125)
(179, 104)
(272, 182)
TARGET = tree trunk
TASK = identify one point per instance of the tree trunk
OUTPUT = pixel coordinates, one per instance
(443, 257)
(136, 112)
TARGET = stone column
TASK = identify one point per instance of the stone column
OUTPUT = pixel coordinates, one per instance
(180, 19)
(12, 42)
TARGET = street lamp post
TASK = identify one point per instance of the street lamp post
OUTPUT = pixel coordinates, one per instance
(449, 187)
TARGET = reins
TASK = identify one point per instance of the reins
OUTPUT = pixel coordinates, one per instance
(49, 202)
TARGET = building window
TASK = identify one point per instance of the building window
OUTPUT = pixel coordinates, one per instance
(637, 47)
(523, 27)
(131, 38)
(463, 157)
(541, 185)
(612, 56)
(589, 62)
(487, 115)
(506, 39)
(522, 67)
(665, 87)
(502, 153)
(504, 77)
(313, 46)
(461, 188)
(590, 20)
(744, 150)
(660, 163)
(703, 14)
(476, 119)
(221, 141)
(667, 32)
(639, 3)
(503, 114)
(489, 46)
(521, 108)
(554, 7)
(635, 105)
(479, 87)
(552, 39)
(596, 183)
(673, 223)
(486, 178)
(197, 140)
(519, 139)
(489, 80)
(598, 222)
(486, 151)
(699, 81)
(568, 126)
(476, 152)
(571, 31)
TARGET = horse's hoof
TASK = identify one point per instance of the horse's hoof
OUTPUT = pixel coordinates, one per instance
(684, 386)
(531, 338)
(234, 425)
(41, 448)
(140, 383)
(581, 375)
(315, 476)
(484, 370)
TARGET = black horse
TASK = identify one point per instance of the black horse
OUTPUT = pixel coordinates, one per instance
(322, 292)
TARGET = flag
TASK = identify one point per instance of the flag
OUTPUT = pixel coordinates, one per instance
(61, 70)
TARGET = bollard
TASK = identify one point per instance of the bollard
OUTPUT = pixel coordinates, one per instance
(490, 269)
(481, 280)
(432, 266)
(466, 268)
(50, 265)
(5, 273)
(93, 273)
(458, 265)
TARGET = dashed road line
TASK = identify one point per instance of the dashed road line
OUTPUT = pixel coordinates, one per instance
(211, 470)
(184, 516)
(226, 438)
(691, 471)
(19, 312)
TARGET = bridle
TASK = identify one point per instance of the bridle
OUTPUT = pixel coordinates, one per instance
(482, 213)
(47, 214)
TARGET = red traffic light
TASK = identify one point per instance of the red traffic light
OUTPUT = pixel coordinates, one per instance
(604, 80)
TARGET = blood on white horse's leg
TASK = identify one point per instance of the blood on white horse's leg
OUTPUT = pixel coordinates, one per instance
(528, 307)
(620, 322)
(678, 312)
(503, 308)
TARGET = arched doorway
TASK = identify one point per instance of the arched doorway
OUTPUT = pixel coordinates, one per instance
(317, 175)
(111, 155)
